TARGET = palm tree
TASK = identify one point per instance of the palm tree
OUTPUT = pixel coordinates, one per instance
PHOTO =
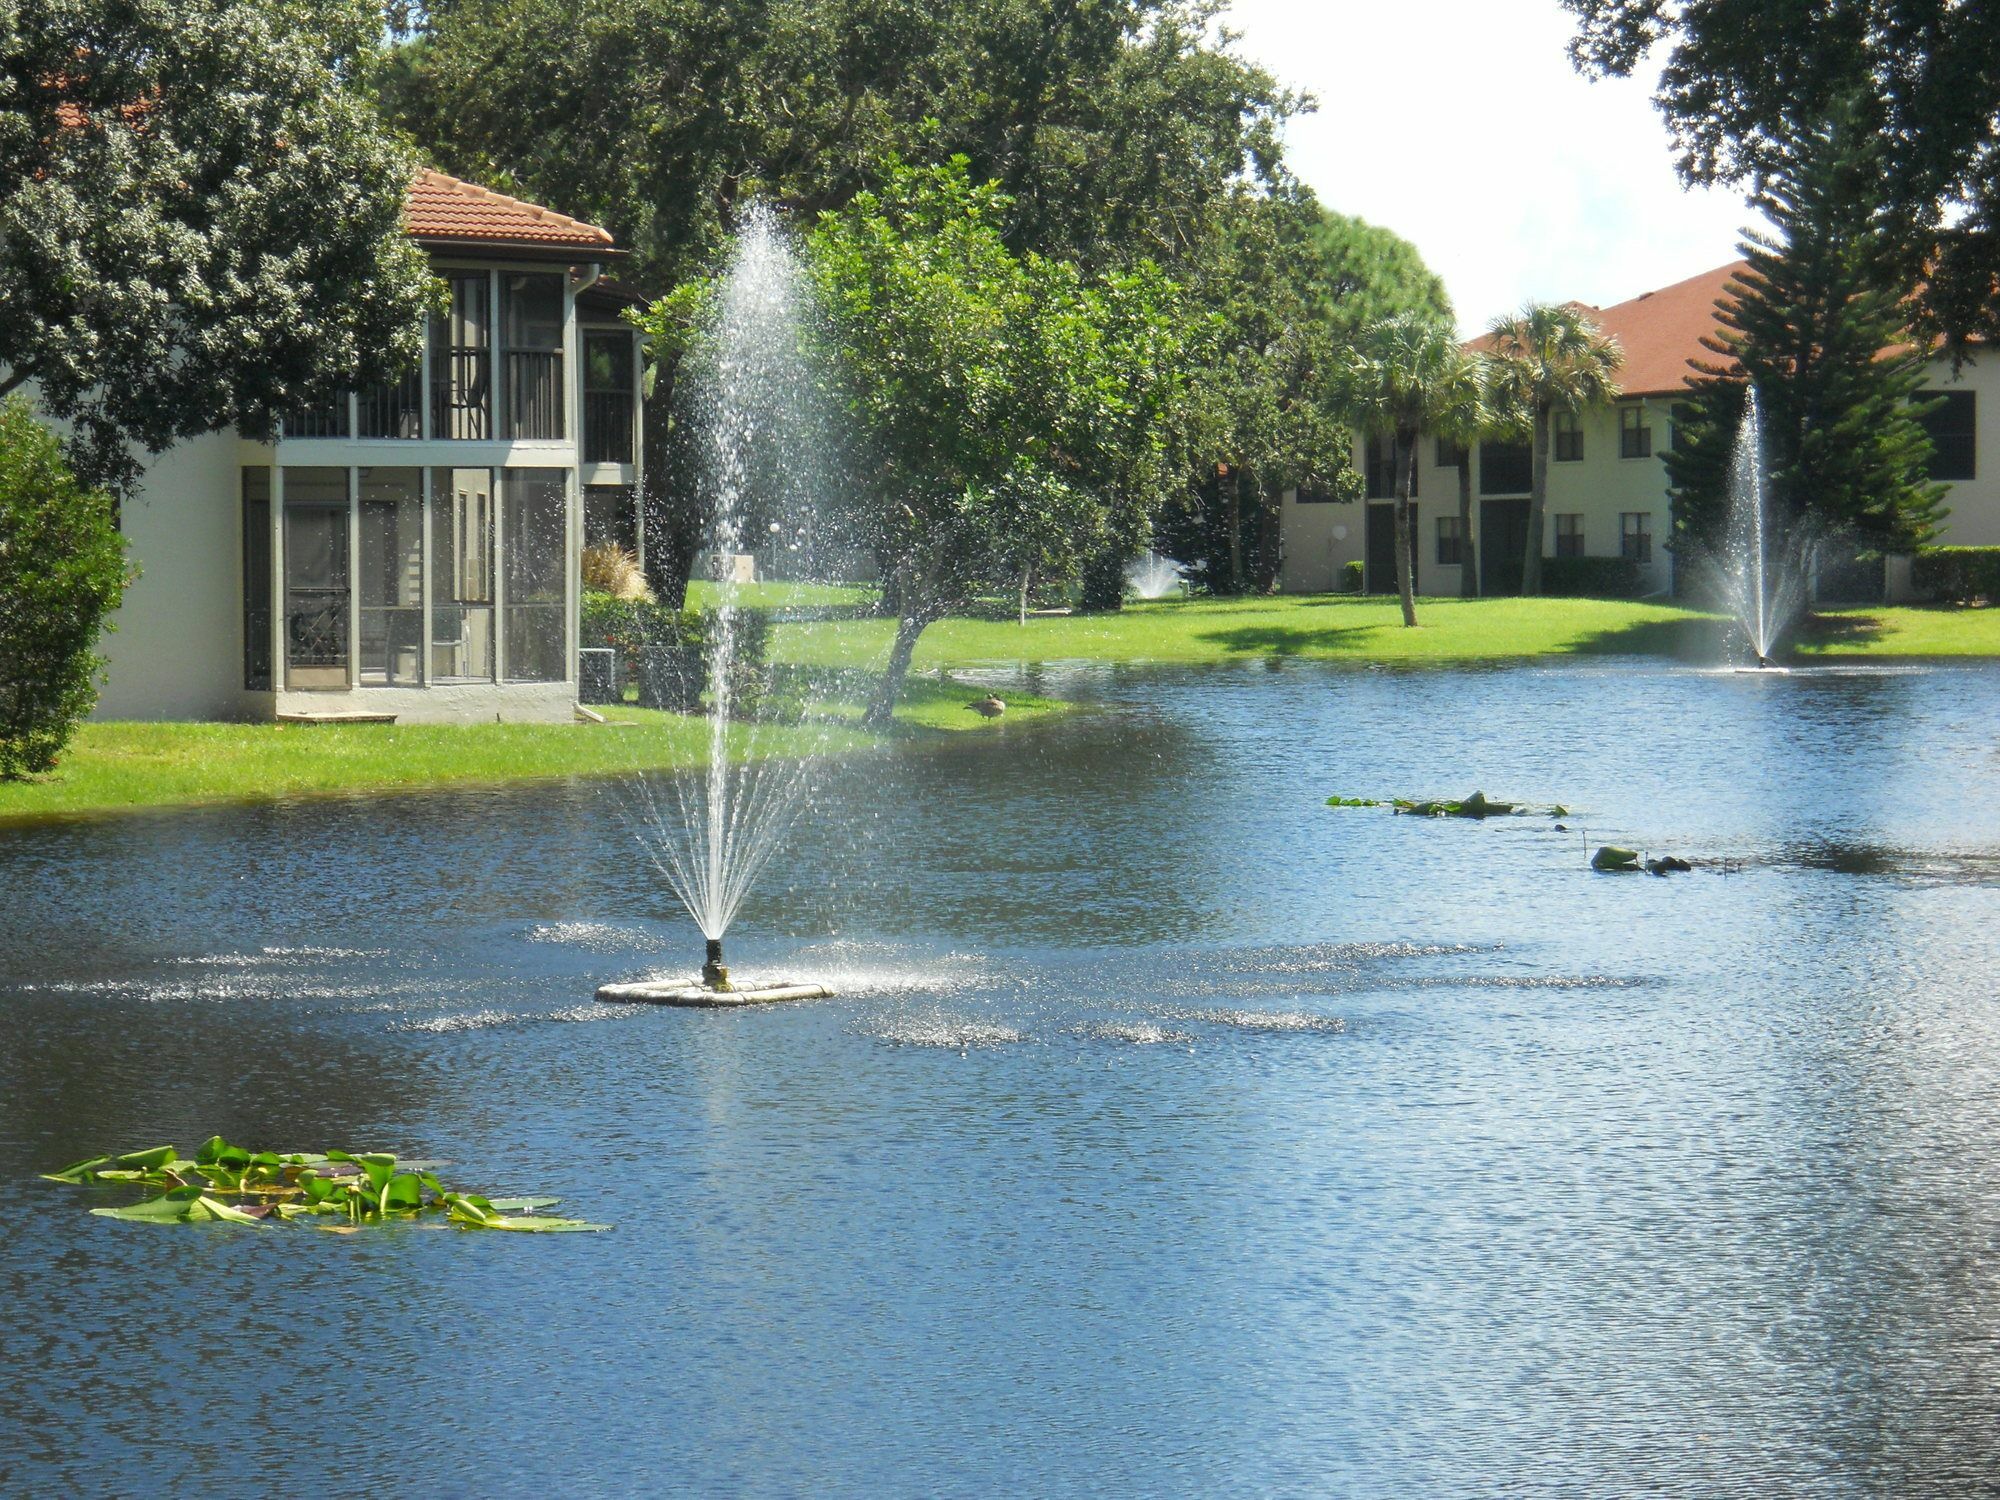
(1403, 376)
(1548, 358)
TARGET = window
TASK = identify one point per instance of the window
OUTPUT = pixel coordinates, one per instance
(1950, 422)
(1381, 470)
(316, 578)
(1635, 536)
(462, 360)
(1568, 436)
(1678, 417)
(1569, 535)
(1449, 454)
(1505, 468)
(1635, 438)
(1448, 541)
(257, 579)
(534, 529)
(607, 398)
(461, 575)
(531, 314)
(392, 576)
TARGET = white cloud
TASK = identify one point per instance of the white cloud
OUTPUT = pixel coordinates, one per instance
(1461, 125)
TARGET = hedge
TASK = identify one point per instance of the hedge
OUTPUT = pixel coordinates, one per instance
(1591, 577)
(1351, 575)
(1956, 573)
(668, 652)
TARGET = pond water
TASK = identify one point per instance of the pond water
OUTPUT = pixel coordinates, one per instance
(1173, 1133)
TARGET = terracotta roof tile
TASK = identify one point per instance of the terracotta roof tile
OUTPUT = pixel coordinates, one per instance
(442, 207)
(1660, 331)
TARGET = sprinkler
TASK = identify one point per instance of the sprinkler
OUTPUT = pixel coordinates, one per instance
(714, 973)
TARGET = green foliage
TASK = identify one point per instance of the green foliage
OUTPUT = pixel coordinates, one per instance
(1957, 573)
(657, 118)
(1807, 323)
(1014, 407)
(1591, 577)
(1925, 73)
(671, 653)
(200, 222)
(62, 570)
(1549, 357)
(1353, 576)
(222, 1183)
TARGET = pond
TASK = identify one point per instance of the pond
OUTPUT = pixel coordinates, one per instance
(1173, 1132)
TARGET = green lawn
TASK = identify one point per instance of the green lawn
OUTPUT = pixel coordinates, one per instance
(111, 767)
(1338, 627)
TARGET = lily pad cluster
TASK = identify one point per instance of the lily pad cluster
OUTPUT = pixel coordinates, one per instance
(1614, 860)
(342, 1191)
(1478, 805)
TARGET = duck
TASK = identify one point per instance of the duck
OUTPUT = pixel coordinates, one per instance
(988, 707)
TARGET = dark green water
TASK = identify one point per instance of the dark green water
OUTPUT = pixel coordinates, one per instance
(1174, 1133)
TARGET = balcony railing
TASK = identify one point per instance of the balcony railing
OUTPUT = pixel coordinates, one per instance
(607, 427)
(392, 411)
(328, 421)
(534, 393)
(462, 394)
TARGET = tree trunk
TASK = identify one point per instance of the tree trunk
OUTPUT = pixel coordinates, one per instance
(1270, 537)
(1406, 462)
(1538, 500)
(1235, 513)
(883, 706)
(1468, 551)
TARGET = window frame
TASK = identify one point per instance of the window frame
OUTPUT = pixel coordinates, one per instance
(1635, 436)
(1569, 542)
(1635, 543)
(1566, 437)
(1451, 556)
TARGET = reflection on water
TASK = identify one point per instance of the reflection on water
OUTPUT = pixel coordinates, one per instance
(1173, 1131)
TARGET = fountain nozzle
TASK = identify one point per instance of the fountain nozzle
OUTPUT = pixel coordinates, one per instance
(714, 973)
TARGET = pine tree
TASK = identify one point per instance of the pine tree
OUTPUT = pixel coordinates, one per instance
(1818, 322)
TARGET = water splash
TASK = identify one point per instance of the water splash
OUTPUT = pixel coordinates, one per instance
(1154, 576)
(755, 402)
(1763, 572)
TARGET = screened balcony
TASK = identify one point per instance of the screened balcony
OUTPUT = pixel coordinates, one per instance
(608, 405)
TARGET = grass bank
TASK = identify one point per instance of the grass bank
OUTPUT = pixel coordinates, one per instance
(1343, 627)
(121, 766)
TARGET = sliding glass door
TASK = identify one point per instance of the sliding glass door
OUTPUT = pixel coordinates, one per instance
(392, 576)
(461, 575)
(316, 578)
(534, 531)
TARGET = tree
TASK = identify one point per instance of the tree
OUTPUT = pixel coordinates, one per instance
(1407, 375)
(1463, 414)
(62, 570)
(1927, 73)
(200, 222)
(1289, 286)
(1548, 358)
(1817, 323)
(1010, 402)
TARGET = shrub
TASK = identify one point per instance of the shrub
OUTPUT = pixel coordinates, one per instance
(1591, 577)
(1352, 576)
(62, 570)
(609, 569)
(1957, 574)
(667, 651)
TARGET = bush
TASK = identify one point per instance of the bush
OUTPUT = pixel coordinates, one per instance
(1352, 576)
(62, 570)
(1957, 574)
(1591, 577)
(667, 651)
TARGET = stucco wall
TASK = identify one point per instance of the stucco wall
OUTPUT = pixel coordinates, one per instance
(177, 650)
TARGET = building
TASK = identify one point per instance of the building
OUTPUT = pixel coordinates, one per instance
(1607, 481)
(411, 550)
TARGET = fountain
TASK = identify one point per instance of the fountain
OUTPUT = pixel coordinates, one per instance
(1763, 576)
(1154, 576)
(755, 403)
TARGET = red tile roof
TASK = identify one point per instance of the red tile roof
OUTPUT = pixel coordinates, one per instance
(441, 207)
(1659, 331)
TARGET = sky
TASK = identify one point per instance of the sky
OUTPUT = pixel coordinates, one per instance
(1461, 125)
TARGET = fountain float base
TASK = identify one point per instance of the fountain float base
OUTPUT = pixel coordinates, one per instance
(681, 992)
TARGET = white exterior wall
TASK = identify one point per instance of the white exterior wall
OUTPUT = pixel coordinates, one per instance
(175, 650)
(1601, 487)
